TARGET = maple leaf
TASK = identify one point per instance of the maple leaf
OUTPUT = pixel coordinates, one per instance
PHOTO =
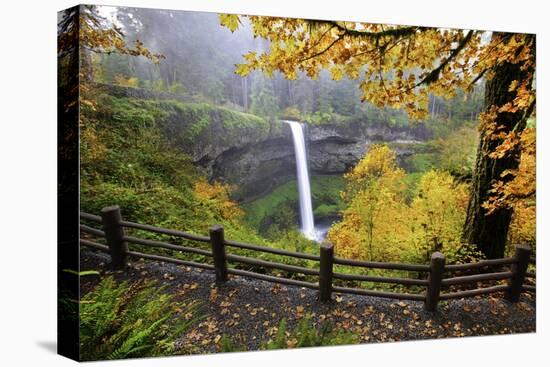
(242, 69)
(230, 21)
(213, 294)
(291, 343)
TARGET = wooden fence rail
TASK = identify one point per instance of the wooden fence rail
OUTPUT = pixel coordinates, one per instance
(113, 231)
(275, 251)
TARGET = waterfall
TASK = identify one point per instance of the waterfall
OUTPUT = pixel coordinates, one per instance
(304, 190)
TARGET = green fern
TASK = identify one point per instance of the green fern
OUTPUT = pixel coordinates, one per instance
(306, 334)
(129, 321)
(227, 345)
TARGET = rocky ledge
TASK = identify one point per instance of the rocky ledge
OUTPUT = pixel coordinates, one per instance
(261, 165)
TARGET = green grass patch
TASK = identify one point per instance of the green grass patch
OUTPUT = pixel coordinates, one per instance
(325, 192)
(187, 120)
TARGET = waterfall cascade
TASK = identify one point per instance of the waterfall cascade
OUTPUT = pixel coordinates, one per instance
(304, 190)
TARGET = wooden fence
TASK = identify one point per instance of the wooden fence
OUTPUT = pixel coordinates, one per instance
(515, 268)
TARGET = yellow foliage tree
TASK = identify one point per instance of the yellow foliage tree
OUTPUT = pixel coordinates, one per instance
(375, 201)
(378, 223)
(216, 196)
(437, 214)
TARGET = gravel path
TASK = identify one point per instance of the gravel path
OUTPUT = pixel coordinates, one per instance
(250, 310)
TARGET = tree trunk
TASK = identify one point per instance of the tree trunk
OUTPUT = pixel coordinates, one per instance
(489, 232)
(244, 82)
(86, 65)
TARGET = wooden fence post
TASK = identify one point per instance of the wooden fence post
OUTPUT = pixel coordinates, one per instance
(114, 233)
(218, 252)
(519, 268)
(326, 271)
(437, 265)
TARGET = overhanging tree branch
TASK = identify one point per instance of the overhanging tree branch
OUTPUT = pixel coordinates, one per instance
(322, 51)
(479, 76)
(434, 74)
(394, 32)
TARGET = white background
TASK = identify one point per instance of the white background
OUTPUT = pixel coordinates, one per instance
(28, 182)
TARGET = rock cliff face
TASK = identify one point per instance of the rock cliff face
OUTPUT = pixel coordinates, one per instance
(334, 149)
(257, 167)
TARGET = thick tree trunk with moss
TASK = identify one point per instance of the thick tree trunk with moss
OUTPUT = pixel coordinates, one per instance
(489, 232)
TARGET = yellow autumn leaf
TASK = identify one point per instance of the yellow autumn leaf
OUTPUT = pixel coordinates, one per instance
(336, 72)
(242, 69)
(230, 21)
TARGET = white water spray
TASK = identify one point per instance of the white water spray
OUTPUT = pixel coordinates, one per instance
(306, 211)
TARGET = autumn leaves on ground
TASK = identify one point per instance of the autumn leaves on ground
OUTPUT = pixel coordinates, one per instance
(244, 314)
(160, 88)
